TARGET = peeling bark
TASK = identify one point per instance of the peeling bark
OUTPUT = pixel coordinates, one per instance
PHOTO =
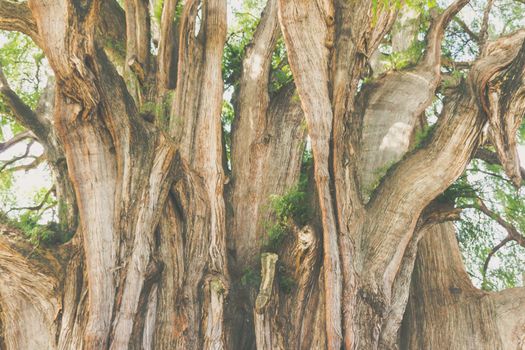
(164, 236)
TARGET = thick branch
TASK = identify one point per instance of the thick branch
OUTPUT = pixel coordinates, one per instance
(505, 106)
(22, 112)
(483, 32)
(111, 29)
(267, 138)
(492, 158)
(437, 30)
(168, 45)
(138, 33)
(308, 32)
(16, 16)
(429, 171)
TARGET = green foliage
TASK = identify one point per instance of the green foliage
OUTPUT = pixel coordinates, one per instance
(37, 233)
(289, 209)
(280, 74)
(405, 59)
(423, 136)
(479, 233)
(37, 229)
(286, 281)
(378, 176)
(292, 204)
(23, 64)
(250, 278)
(227, 116)
(460, 190)
(378, 5)
(238, 38)
(157, 10)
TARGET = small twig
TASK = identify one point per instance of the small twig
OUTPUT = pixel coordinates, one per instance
(467, 30)
(16, 159)
(38, 206)
(16, 139)
(26, 167)
(489, 256)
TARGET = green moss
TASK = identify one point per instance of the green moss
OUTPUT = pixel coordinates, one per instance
(286, 282)
(217, 286)
(423, 136)
(378, 175)
(250, 278)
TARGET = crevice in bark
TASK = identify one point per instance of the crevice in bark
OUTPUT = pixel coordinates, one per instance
(446, 310)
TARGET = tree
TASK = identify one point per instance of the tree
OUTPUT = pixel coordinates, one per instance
(320, 219)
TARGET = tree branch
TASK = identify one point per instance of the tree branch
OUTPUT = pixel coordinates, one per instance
(16, 16)
(17, 158)
(489, 256)
(15, 140)
(437, 29)
(492, 158)
(483, 32)
(467, 30)
(138, 33)
(34, 207)
(25, 167)
(168, 46)
(420, 177)
(22, 112)
(504, 102)
(513, 233)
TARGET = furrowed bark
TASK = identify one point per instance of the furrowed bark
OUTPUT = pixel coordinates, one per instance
(168, 46)
(267, 138)
(99, 125)
(163, 243)
(465, 120)
(29, 290)
(505, 112)
(17, 17)
(195, 124)
(462, 316)
(388, 126)
(308, 31)
(356, 38)
(138, 34)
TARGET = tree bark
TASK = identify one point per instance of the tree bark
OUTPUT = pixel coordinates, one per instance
(446, 309)
(165, 234)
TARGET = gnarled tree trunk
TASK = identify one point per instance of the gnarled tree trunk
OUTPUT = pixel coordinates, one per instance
(166, 232)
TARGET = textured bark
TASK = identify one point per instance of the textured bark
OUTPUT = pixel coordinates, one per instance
(446, 311)
(164, 235)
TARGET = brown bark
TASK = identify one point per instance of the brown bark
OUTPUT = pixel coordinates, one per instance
(446, 311)
(164, 236)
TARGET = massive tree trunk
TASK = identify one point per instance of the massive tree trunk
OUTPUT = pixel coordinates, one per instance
(446, 309)
(166, 236)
